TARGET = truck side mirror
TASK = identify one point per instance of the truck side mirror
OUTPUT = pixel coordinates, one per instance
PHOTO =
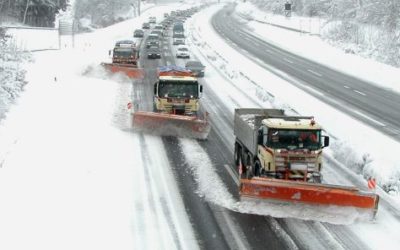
(260, 137)
(109, 52)
(155, 89)
(201, 88)
(326, 141)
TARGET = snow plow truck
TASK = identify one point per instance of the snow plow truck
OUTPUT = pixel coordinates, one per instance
(125, 58)
(279, 158)
(176, 106)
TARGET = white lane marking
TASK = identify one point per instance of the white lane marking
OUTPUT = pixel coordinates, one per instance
(287, 60)
(314, 73)
(369, 118)
(281, 233)
(235, 178)
(359, 113)
(359, 92)
(314, 90)
(236, 236)
(347, 87)
(392, 130)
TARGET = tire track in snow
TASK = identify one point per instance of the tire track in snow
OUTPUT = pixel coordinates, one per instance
(149, 197)
(161, 188)
(164, 207)
(152, 216)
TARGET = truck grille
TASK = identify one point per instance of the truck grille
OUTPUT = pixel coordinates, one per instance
(285, 161)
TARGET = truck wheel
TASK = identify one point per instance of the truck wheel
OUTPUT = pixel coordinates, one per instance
(257, 168)
(249, 166)
(237, 153)
(317, 179)
(241, 168)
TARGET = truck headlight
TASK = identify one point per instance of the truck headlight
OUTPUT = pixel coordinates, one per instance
(312, 167)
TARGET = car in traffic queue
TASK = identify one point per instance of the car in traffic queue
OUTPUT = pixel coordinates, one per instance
(146, 26)
(153, 52)
(152, 19)
(196, 67)
(138, 33)
(182, 51)
(152, 39)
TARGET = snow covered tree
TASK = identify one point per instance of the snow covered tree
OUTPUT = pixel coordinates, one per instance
(12, 75)
(32, 12)
(102, 13)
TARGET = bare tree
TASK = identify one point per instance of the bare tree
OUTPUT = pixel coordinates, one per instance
(26, 10)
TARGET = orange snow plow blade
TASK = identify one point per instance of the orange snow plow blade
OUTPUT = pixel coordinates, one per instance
(128, 69)
(311, 193)
(171, 125)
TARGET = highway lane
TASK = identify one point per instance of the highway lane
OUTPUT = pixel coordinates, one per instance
(376, 106)
(202, 217)
(215, 227)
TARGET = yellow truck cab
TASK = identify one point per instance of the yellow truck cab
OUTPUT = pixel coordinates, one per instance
(274, 145)
(177, 91)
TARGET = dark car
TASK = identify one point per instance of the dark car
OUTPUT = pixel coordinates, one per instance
(146, 26)
(152, 40)
(196, 67)
(152, 19)
(138, 33)
(159, 33)
(153, 52)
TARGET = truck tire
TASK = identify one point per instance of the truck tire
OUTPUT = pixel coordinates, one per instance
(237, 154)
(257, 168)
(249, 166)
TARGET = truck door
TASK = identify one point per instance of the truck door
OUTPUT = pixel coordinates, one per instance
(262, 152)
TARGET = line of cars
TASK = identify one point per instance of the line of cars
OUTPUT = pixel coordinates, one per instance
(153, 39)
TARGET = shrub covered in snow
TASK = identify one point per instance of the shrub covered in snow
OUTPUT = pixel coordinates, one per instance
(11, 72)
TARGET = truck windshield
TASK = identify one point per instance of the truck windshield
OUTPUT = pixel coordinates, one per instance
(123, 52)
(294, 139)
(178, 89)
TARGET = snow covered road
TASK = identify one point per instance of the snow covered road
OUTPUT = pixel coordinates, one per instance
(73, 175)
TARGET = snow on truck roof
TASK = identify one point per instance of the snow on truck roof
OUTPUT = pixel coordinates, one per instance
(128, 43)
(178, 78)
(170, 69)
(291, 123)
